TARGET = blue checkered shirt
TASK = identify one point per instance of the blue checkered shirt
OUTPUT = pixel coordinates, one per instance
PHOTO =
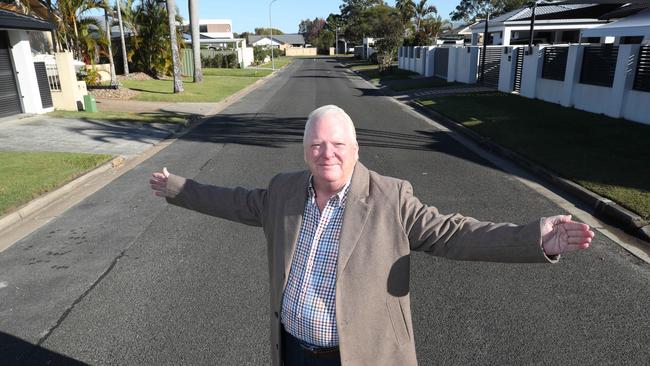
(308, 305)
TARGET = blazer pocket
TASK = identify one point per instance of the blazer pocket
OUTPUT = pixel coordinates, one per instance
(397, 319)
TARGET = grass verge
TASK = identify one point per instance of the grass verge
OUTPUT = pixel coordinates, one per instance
(26, 175)
(212, 89)
(248, 72)
(398, 79)
(606, 155)
(145, 117)
(279, 62)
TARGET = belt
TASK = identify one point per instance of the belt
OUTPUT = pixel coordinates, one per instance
(311, 349)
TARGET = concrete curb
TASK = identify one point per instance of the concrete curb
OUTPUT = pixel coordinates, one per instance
(29, 209)
(603, 208)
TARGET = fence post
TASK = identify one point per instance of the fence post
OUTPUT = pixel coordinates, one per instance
(623, 77)
(506, 69)
(531, 73)
(452, 63)
(571, 74)
(473, 64)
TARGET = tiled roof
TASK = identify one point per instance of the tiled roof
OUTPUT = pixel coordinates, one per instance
(282, 38)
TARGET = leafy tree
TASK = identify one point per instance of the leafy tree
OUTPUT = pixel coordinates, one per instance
(150, 48)
(406, 9)
(354, 14)
(470, 10)
(71, 12)
(266, 31)
(388, 27)
(430, 30)
(422, 11)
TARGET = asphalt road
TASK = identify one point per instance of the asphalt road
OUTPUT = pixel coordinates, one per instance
(123, 278)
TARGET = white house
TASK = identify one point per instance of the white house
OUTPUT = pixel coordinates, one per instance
(553, 24)
(24, 85)
(282, 41)
(213, 28)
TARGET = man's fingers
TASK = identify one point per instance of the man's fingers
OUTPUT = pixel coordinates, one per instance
(165, 172)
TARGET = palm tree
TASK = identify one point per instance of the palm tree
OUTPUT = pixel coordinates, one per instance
(196, 40)
(433, 27)
(176, 62)
(406, 9)
(119, 19)
(108, 43)
(71, 11)
(422, 10)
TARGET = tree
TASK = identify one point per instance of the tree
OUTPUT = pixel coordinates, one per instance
(388, 27)
(196, 40)
(335, 24)
(125, 60)
(470, 10)
(176, 61)
(266, 31)
(406, 9)
(422, 10)
(354, 14)
(71, 11)
(430, 30)
(108, 43)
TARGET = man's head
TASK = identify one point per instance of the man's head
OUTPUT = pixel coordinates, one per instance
(330, 146)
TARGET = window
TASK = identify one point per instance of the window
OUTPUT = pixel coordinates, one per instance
(203, 28)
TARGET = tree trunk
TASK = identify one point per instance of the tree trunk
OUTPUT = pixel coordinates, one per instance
(119, 19)
(176, 61)
(196, 40)
(108, 45)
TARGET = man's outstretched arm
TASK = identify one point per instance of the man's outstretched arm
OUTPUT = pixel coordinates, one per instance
(246, 206)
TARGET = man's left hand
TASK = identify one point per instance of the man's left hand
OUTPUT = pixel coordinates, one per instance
(561, 235)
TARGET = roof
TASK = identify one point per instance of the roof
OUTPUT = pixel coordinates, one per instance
(11, 20)
(634, 25)
(281, 38)
(550, 12)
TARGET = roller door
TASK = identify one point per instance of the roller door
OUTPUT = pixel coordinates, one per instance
(9, 97)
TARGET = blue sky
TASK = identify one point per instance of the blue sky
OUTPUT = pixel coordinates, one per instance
(247, 15)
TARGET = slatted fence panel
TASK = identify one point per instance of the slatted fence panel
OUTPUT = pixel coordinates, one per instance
(492, 67)
(554, 66)
(43, 84)
(599, 65)
(642, 75)
(441, 62)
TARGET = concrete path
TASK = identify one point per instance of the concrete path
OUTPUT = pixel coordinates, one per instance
(201, 109)
(43, 133)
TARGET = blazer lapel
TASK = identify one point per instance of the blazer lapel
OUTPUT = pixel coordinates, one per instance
(294, 208)
(355, 215)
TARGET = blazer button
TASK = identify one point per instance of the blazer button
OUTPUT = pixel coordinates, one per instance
(276, 314)
(276, 346)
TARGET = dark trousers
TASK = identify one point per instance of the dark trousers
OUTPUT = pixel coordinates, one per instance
(293, 354)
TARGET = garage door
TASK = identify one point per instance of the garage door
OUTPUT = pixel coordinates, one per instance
(9, 98)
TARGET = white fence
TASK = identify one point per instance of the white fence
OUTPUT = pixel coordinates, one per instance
(570, 84)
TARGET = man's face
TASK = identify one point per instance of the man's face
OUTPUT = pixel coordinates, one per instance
(331, 151)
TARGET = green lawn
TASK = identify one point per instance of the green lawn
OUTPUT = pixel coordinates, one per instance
(26, 175)
(149, 117)
(212, 89)
(398, 79)
(248, 72)
(605, 155)
(279, 62)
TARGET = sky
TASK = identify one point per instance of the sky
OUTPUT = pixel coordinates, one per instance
(247, 15)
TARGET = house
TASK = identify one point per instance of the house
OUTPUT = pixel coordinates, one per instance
(24, 86)
(281, 41)
(553, 24)
(631, 28)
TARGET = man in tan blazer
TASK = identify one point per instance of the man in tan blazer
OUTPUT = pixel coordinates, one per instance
(338, 242)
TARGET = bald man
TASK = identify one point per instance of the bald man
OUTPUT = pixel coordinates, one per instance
(339, 236)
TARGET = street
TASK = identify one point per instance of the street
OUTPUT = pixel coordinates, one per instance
(123, 278)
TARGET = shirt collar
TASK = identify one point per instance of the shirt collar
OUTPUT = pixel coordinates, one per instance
(340, 195)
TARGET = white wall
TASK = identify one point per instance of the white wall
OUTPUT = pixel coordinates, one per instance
(549, 90)
(21, 53)
(636, 106)
(507, 70)
(245, 56)
(463, 65)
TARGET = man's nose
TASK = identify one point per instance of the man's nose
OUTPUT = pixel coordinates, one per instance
(328, 150)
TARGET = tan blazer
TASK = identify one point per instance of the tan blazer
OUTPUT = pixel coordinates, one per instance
(383, 222)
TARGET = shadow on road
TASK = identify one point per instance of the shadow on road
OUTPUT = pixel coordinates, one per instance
(15, 351)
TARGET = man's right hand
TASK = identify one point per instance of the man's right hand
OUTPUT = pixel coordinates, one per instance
(158, 183)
